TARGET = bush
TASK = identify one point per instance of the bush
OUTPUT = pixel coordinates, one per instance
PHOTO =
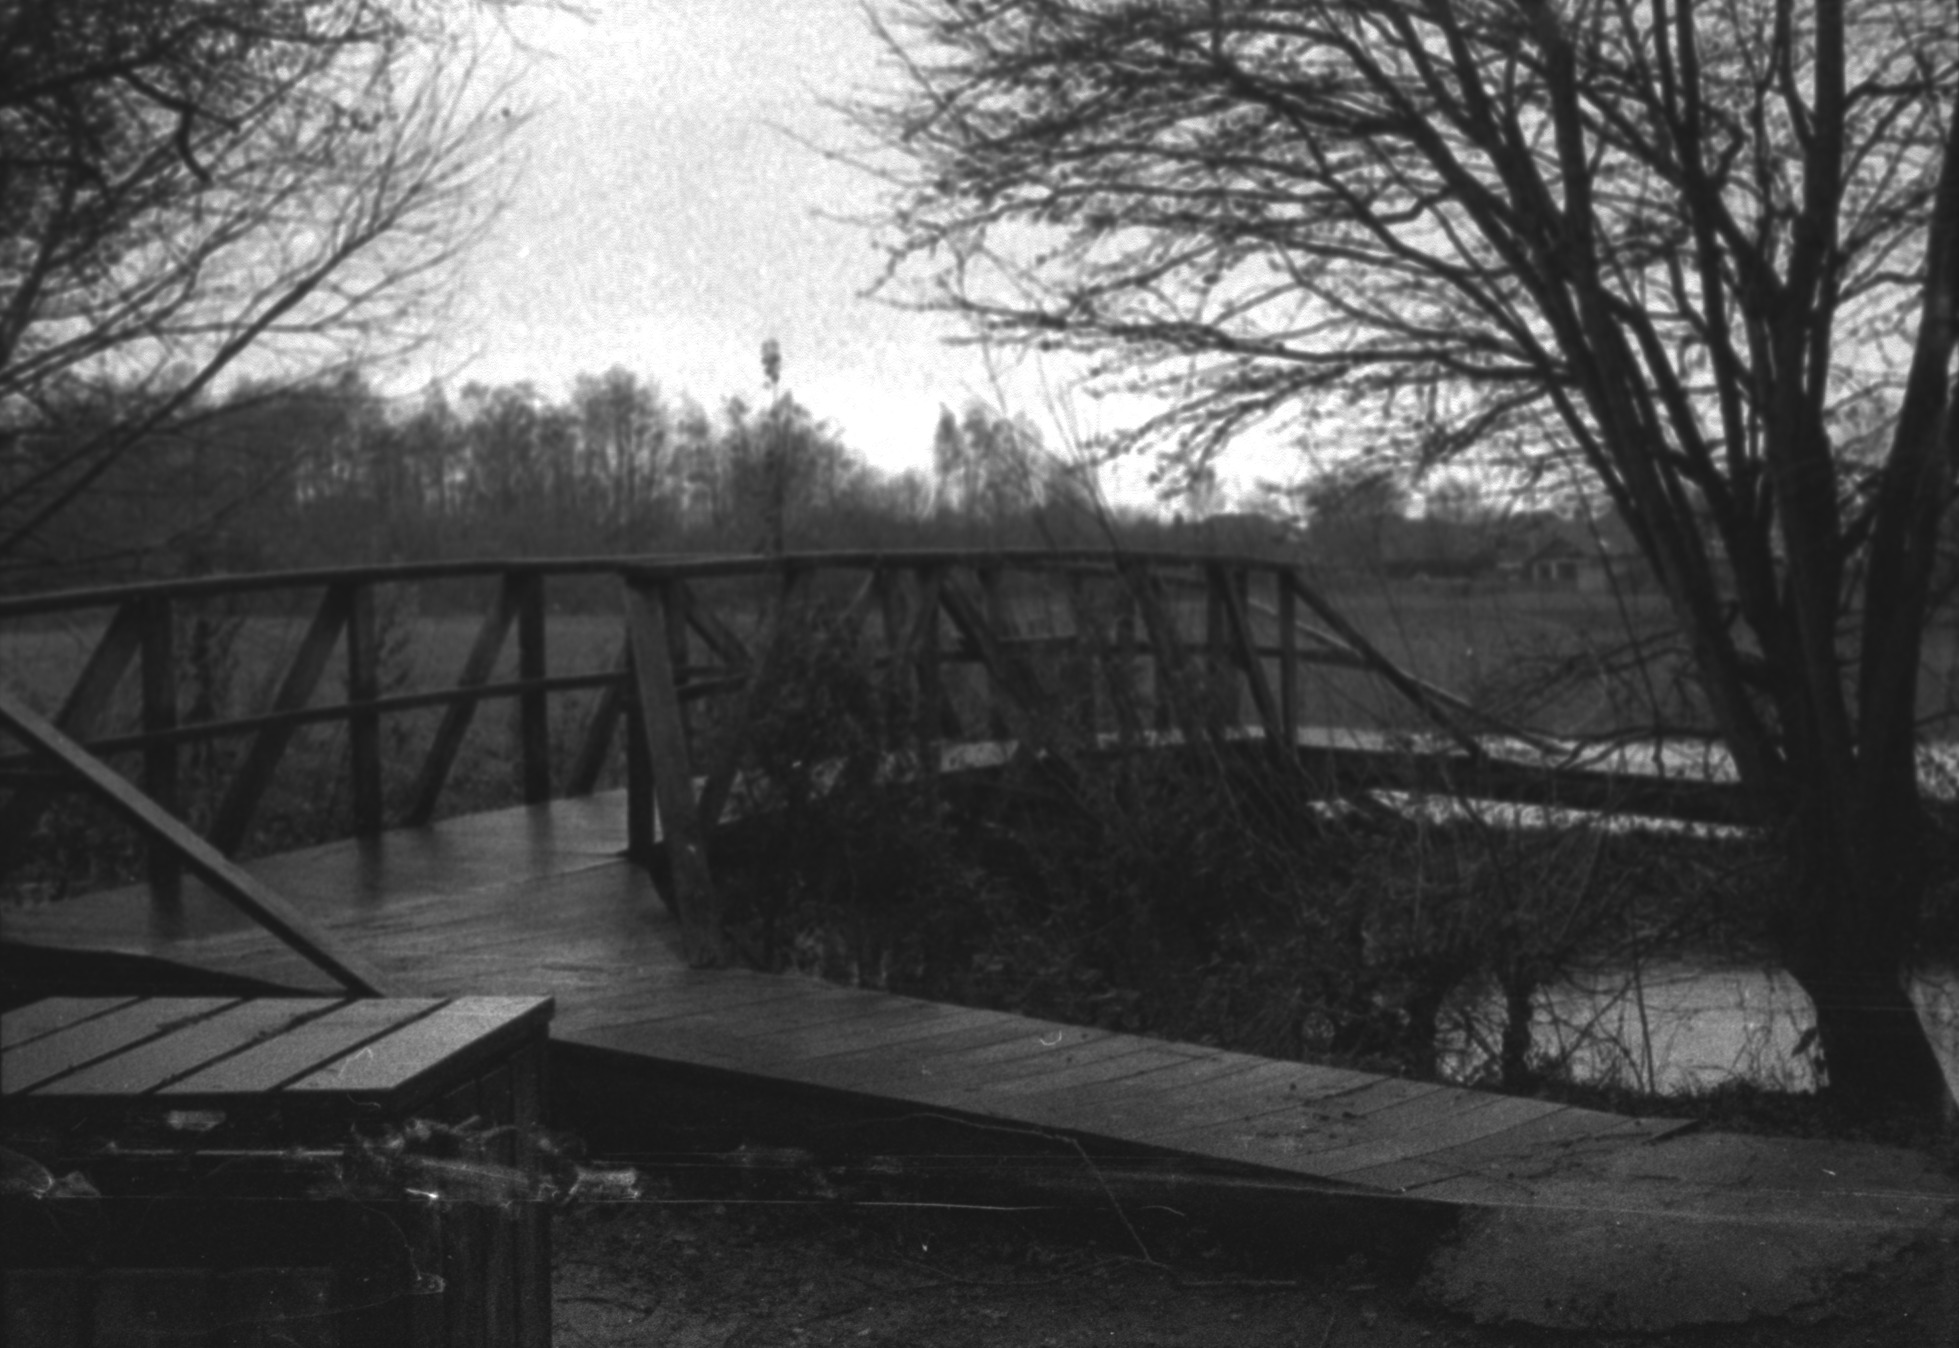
(1211, 893)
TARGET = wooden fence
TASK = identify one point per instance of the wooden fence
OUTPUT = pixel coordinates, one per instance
(1118, 646)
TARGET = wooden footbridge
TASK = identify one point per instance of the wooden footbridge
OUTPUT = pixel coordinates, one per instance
(606, 900)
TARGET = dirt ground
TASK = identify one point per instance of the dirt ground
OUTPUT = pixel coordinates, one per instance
(704, 1273)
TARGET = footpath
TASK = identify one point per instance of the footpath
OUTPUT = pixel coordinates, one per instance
(1698, 1228)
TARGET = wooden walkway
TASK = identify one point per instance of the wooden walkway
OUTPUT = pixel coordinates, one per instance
(537, 901)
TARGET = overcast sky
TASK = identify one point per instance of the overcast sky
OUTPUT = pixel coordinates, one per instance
(665, 218)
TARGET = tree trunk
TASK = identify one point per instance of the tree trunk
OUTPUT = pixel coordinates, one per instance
(1847, 948)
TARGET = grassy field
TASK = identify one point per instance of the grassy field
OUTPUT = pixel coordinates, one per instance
(1554, 661)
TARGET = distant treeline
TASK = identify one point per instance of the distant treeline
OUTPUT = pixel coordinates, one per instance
(279, 477)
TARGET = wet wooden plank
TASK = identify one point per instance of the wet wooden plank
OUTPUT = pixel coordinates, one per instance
(1477, 1117)
(401, 1058)
(986, 1074)
(514, 902)
(678, 1001)
(925, 1033)
(302, 1049)
(1412, 1111)
(706, 1048)
(1115, 1108)
(1076, 1078)
(1374, 1095)
(27, 1023)
(820, 1032)
(1545, 1135)
(146, 1067)
(940, 1054)
(76, 1046)
(838, 1050)
(1270, 1087)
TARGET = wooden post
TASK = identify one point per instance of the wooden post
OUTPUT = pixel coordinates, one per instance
(1244, 643)
(478, 665)
(160, 760)
(81, 713)
(533, 708)
(254, 774)
(1176, 690)
(1015, 696)
(679, 650)
(1287, 606)
(251, 896)
(650, 622)
(640, 839)
(935, 714)
(364, 726)
(1220, 674)
(723, 757)
(600, 726)
(994, 610)
(1125, 689)
(896, 631)
(1077, 681)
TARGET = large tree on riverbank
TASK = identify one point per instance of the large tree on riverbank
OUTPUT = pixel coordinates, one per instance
(1689, 238)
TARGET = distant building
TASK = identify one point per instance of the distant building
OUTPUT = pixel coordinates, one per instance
(1575, 556)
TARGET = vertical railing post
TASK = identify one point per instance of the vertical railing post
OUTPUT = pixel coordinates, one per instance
(447, 742)
(1123, 677)
(533, 709)
(1077, 681)
(1220, 684)
(1253, 674)
(1286, 604)
(363, 723)
(253, 776)
(160, 760)
(596, 743)
(994, 606)
(650, 607)
(680, 651)
(935, 716)
(639, 772)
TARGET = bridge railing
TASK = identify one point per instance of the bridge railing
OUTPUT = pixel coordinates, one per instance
(1195, 644)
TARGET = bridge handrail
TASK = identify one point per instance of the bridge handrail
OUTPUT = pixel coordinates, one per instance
(933, 606)
(676, 566)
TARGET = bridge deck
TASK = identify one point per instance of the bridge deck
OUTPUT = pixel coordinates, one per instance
(538, 901)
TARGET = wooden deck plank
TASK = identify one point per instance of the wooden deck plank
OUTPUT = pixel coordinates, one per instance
(1071, 1081)
(679, 1001)
(536, 901)
(917, 1036)
(393, 1062)
(302, 1049)
(147, 1066)
(1477, 1118)
(75, 1046)
(1114, 1107)
(1270, 1087)
(27, 1023)
(981, 1076)
(816, 1035)
(780, 1045)
(892, 1064)
(1545, 1135)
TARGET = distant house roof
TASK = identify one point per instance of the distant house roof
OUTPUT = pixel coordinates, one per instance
(1559, 549)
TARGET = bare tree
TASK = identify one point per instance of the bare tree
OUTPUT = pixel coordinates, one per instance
(184, 181)
(1671, 240)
